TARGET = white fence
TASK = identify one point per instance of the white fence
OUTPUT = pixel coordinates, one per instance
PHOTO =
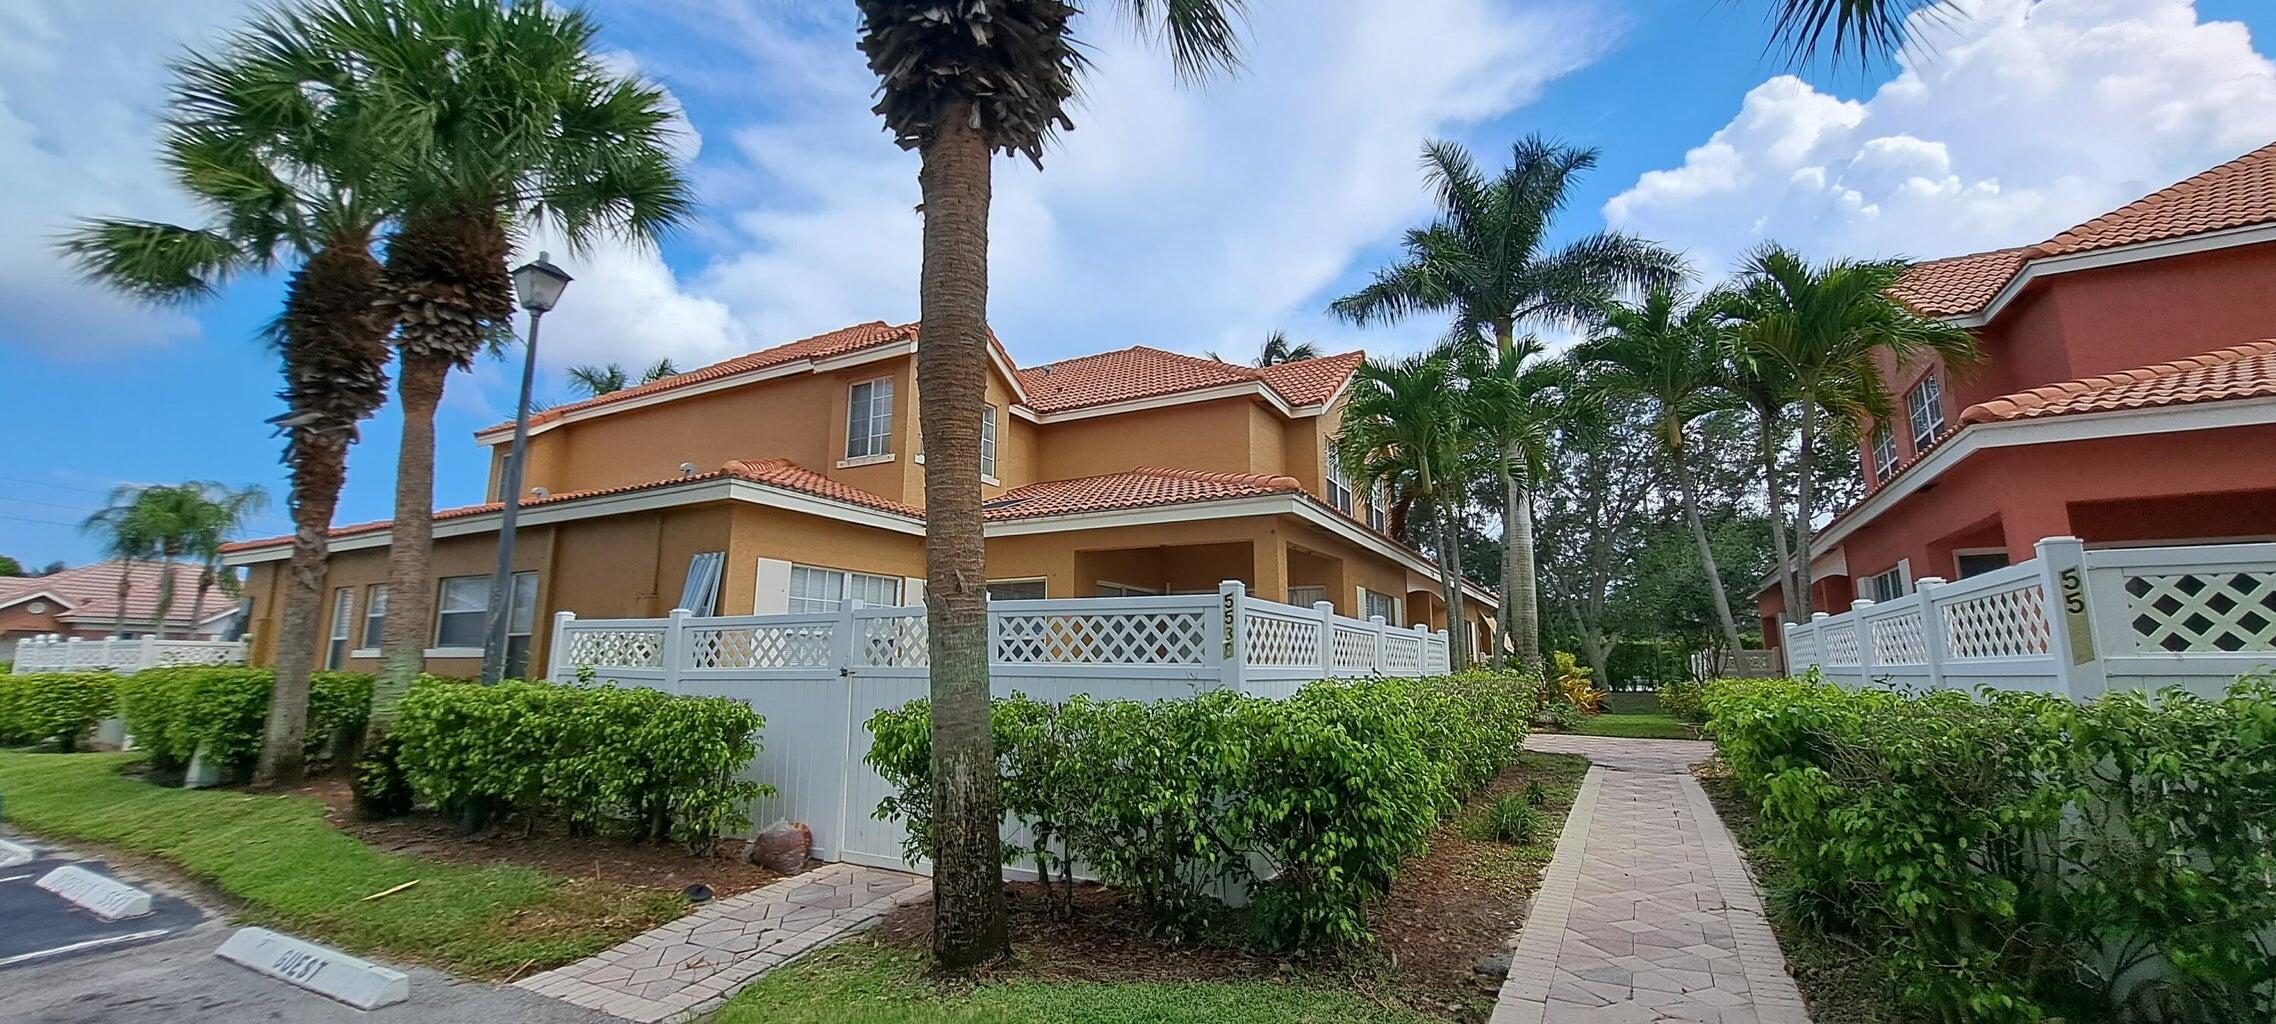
(819, 677)
(55, 654)
(2071, 621)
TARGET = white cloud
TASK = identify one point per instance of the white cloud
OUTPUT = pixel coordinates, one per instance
(2011, 121)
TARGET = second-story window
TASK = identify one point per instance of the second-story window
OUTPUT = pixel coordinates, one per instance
(1379, 508)
(1926, 404)
(1884, 453)
(1339, 489)
(869, 419)
(988, 442)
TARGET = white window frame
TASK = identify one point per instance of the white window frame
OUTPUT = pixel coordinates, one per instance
(1297, 594)
(1925, 405)
(1339, 489)
(988, 444)
(1957, 552)
(1367, 609)
(521, 619)
(1379, 508)
(1883, 587)
(1884, 453)
(1109, 588)
(840, 582)
(870, 439)
(374, 621)
(343, 619)
(1041, 581)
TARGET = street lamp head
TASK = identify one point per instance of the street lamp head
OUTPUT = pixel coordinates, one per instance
(539, 284)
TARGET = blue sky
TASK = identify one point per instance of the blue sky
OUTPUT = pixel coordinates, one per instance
(1185, 219)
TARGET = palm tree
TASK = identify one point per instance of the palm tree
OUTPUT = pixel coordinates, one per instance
(596, 381)
(285, 177)
(189, 519)
(124, 535)
(490, 116)
(1819, 327)
(1403, 425)
(1277, 350)
(1863, 29)
(220, 513)
(957, 83)
(1486, 261)
(1670, 351)
(1518, 406)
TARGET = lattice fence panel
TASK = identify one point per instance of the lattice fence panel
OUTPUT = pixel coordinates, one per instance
(1899, 640)
(894, 642)
(1354, 650)
(1276, 642)
(1437, 660)
(1841, 644)
(2006, 624)
(806, 645)
(198, 654)
(2203, 612)
(615, 648)
(1100, 638)
(1402, 655)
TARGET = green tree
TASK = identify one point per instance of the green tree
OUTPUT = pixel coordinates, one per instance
(1513, 406)
(10, 567)
(284, 176)
(957, 83)
(1278, 350)
(220, 515)
(1486, 260)
(596, 381)
(124, 533)
(1819, 326)
(1403, 426)
(490, 117)
(189, 520)
(1670, 352)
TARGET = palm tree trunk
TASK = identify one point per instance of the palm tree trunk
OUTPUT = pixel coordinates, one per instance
(320, 469)
(1776, 505)
(1521, 587)
(1804, 466)
(126, 586)
(1450, 575)
(969, 922)
(166, 590)
(197, 601)
(410, 592)
(1690, 485)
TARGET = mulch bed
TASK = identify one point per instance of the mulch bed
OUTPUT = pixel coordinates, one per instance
(617, 862)
(1462, 901)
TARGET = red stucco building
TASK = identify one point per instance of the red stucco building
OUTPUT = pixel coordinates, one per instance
(2127, 396)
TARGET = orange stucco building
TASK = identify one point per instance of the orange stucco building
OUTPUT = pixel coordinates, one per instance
(2127, 396)
(1130, 472)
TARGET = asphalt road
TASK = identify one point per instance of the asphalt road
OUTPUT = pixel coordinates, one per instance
(50, 975)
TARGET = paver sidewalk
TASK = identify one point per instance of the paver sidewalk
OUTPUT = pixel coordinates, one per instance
(688, 967)
(1646, 913)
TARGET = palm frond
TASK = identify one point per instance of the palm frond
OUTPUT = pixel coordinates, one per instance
(155, 262)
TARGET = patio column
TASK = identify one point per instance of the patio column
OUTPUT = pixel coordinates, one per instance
(2033, 518)
(1268, 567)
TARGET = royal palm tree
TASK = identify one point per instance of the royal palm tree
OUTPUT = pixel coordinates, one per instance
(1669, 351)
(284, 176)
(596, 381)
(959, 82)
(491, 116)
(1486, 261)
(1403, 425)
(1517, 405)
(1278, 350)
(123, 532)
(1819, 327)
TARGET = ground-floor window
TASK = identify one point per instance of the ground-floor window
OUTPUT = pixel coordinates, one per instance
(1372, 604)
(1306, 597)
(1887, 586)
(1017, 590)
(815, 589)
(343, 615)
(1977, 563)
(462, 609)
(375, 615)
(1106, 589)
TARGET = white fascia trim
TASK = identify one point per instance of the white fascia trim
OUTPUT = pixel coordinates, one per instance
(505, 432)
(1229, 508)
(829, 508)
(1975, 437)
(2227, 238)
(1233, 390)
(36, 594)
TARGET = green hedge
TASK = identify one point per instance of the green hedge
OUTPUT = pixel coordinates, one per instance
(1686, 700)
(2019, 857)
(171, 712)
(655, 764)
(54, 706)
(1328, 791)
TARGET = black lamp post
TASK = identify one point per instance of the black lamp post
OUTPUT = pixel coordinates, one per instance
(539, 285)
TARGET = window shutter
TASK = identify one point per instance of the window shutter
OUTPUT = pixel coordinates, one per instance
(700, 594)
(773, 597)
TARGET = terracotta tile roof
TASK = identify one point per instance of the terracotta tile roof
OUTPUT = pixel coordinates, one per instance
(2236, 194)
(1135, 489)
(2245, 371)
(91, 591)
(1960, 284)
(788, 474)
(1141, 372)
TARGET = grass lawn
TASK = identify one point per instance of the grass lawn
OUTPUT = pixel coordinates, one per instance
(1635, 716)
(285, 866)
(867, 981)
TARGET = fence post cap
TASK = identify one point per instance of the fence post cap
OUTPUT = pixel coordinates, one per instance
(1862, 602)
(1815, 616)
(1232, 587)
(1324, 607)
(564, 616)
(1928, 581)
(682, 613)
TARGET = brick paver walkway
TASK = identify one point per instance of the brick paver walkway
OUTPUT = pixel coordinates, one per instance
(1646, 913)
(690, 966)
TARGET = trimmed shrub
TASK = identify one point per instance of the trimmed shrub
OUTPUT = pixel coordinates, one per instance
(1180, 801)
(641, 761)
(2019, 857)
(1686, 700)
(172, 712)
(54, 706)
(1511, 819)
